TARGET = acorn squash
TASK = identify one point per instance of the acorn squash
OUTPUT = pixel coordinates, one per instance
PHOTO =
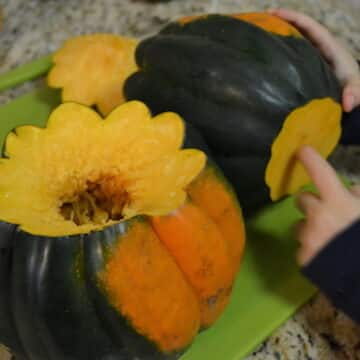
(115, 242)
(255, 89)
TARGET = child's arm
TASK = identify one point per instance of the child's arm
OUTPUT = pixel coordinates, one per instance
(340, 59)
(330, 235)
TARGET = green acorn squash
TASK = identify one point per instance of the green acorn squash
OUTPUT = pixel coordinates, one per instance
(253, 86)
(111, 246)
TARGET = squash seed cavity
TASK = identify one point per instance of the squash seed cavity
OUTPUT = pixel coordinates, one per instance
(101, 201)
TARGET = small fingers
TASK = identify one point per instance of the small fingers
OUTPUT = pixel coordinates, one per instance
(321, 173)
(355, 190)
(351, 96)
(316, 32)
(301, 20)
(304, 252)
(333, 50)
(299, 230)
(307, 202)
(302, 256)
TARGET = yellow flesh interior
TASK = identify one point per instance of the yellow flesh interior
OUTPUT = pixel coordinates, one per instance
(82, 173)
(317, 124)
(92, 69)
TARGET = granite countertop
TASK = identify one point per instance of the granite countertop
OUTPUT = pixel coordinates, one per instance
(36, 27)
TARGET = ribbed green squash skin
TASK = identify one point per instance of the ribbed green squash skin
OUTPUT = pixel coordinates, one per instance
(52, 306)
(236, 83)
(8, 332)
(54, 314)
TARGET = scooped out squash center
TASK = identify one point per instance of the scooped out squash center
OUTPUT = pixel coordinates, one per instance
(82, 173)
(101, 201)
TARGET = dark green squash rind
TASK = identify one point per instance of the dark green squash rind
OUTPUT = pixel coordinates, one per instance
(26, 279)
(253, 190)
(54, 314)
(251, 44)
(8, 333)
(225, 76)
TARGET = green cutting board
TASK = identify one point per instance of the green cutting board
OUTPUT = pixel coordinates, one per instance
(269, 288)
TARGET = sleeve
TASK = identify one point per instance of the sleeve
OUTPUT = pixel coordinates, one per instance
(351, 128)
(336, 271)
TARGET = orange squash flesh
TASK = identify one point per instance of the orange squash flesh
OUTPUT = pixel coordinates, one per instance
(146, 286)
(214, 197)
(200, 251)
(265, 21)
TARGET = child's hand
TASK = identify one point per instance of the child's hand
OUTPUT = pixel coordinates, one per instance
(340, 59)
(328, 213)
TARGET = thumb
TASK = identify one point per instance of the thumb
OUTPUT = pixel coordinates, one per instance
(351, 95)
(355, 190)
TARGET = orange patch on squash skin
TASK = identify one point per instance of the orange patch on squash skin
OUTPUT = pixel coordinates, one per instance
(265, 21)
(212, 195)
(187, 19)
(147, 287)
(201, 252)
(269, 23)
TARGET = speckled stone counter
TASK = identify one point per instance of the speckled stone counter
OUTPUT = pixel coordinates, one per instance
(36, 27)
